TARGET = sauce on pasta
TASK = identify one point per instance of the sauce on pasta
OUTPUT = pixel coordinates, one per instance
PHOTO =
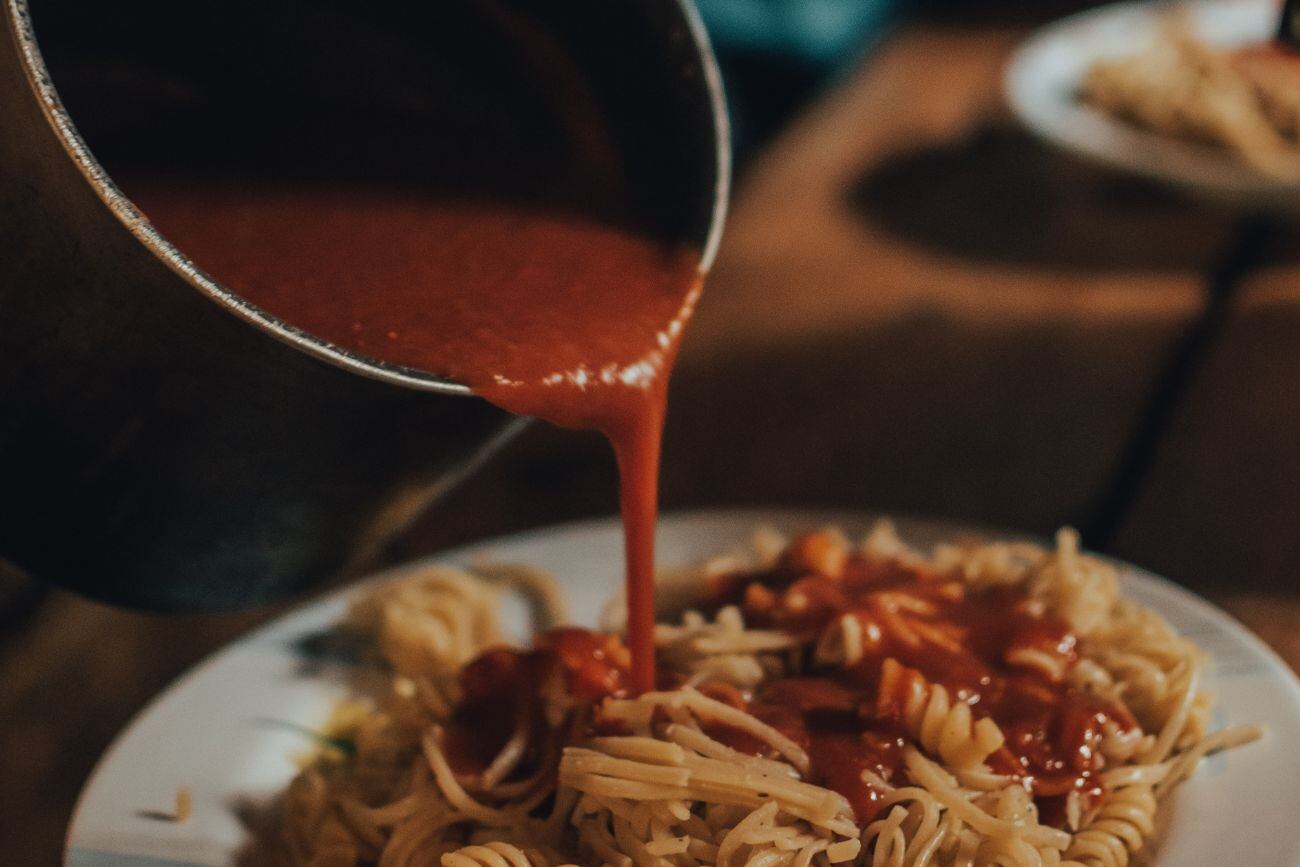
(989, 649)
(992, 649)
(503, 695)
(545, 314)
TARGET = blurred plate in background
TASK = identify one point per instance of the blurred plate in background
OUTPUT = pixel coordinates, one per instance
(1044, 76)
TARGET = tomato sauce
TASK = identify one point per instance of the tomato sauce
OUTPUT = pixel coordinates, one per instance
(504, 691)
(848, 722)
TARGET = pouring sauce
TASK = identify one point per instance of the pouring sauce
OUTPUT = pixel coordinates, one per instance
(546, 314)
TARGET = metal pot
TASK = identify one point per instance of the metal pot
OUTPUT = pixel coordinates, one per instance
(165, 444)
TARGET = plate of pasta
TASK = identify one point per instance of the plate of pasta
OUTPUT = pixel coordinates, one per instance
(830, 689)
(1191, 92)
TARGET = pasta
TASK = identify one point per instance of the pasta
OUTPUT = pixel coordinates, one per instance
(944, 727)
(1244, 100)
(821, 703)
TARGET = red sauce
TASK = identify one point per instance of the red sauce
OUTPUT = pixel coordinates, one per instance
(595, 666)
(500, 693)
(545, 314)
(503, 691)
(849, 721)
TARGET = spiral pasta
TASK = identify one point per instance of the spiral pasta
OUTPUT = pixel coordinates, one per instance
(1120, 829)
(946, 729)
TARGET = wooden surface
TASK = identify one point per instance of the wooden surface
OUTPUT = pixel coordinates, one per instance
(917, 309)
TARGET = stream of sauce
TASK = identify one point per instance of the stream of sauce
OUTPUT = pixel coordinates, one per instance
(545, 314)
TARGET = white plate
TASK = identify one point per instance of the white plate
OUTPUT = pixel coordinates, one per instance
(219, 730)
(1043, 77)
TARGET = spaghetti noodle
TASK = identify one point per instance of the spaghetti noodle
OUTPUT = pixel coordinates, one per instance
(822, 703)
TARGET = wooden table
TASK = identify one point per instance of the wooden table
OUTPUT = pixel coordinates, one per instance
(917, 309)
